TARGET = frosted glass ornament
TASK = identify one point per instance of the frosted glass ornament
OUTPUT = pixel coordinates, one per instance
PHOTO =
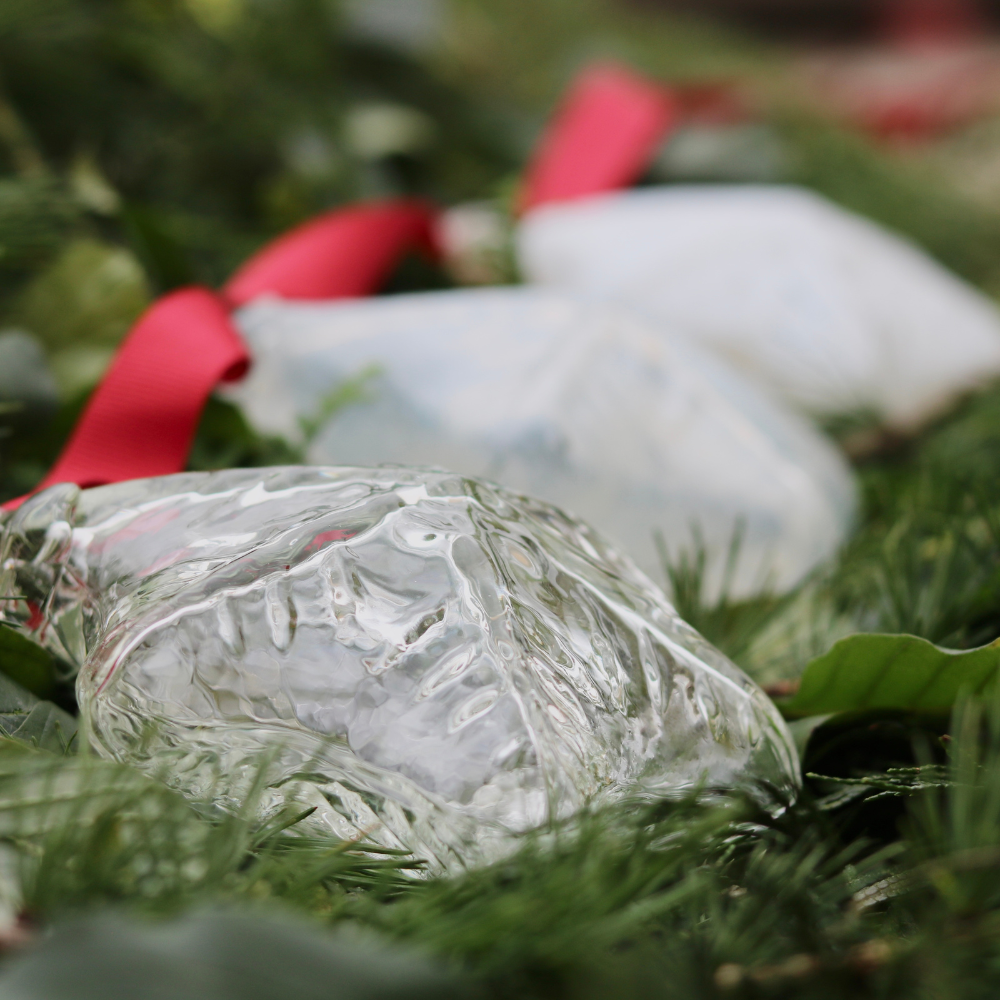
(436, 664)
(574, 401)
(830, 311)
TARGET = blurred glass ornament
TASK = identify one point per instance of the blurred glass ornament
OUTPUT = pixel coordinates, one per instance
(574, 401)
(435, 663)
(833, 313)
(26, 381)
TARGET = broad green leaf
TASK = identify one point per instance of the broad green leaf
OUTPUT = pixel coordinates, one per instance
(15, 700)
(26, 663)
(47, 727)
(41, 724)
(891, 671)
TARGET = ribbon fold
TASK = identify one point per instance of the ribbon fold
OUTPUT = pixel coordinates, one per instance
(603, 136)
(142, 418)
(346, 253)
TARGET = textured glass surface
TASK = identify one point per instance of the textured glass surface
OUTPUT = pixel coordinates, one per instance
(437, 661)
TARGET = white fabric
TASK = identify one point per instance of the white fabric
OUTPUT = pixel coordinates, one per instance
(827, 309)
(577, 402)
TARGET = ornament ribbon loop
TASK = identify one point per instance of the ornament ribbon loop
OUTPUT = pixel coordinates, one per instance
(602, 138)
(142, 418)
(342, 254)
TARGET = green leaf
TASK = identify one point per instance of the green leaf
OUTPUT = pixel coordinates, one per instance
(41, 724)
(47, 727)
(891, 671)
(24, 662)
(225, 440)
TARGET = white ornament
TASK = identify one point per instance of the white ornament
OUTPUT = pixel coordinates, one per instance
(832, 312)
(577, 402)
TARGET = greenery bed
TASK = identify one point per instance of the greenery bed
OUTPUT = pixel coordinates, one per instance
(149, 143)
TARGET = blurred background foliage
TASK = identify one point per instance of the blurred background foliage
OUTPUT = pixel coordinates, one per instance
(186, 132)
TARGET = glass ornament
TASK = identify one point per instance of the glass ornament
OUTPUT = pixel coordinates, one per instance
(430, 662)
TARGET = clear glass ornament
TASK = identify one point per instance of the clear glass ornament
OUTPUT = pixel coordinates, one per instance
(435, 663)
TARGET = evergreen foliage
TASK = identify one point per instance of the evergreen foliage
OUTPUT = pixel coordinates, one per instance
(145, 144)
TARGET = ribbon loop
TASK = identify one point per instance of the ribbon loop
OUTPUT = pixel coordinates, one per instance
(602, 138)
(343, 254)
(142, 418)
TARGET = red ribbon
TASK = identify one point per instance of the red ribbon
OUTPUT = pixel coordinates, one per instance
(142, 418)
(342, 254)
(602, 138)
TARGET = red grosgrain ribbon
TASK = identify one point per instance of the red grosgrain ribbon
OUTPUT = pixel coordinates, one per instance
(342, 254)
(142, 418)
(602, 138)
